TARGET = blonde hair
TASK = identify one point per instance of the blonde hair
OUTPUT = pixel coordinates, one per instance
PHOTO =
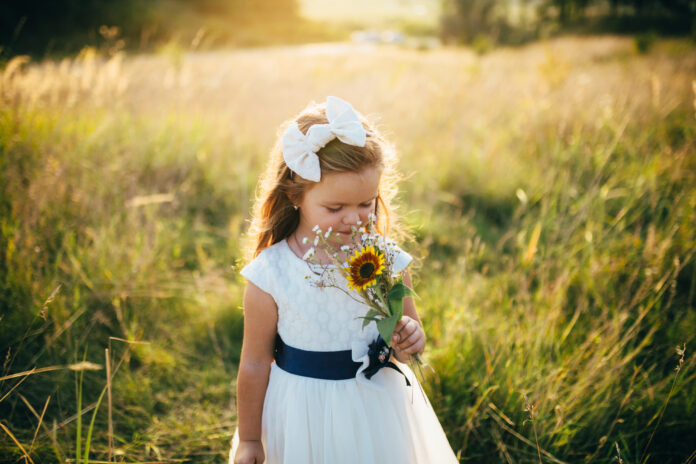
(274, 217)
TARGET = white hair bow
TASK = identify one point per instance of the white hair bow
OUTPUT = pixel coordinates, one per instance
(300, 150)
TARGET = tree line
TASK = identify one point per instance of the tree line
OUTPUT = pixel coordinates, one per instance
(506, 21)
(64, 26)
(38, 27)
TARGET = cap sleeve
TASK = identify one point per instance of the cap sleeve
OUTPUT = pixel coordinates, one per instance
(259, 273)
(401, 258)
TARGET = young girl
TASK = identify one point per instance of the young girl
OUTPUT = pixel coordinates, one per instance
(302, 396)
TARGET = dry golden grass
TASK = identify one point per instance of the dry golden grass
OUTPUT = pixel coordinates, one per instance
(550, 190)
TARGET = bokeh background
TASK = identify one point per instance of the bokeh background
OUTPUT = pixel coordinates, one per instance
(548, 153)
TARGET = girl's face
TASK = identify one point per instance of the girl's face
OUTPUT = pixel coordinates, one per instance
(339, 201)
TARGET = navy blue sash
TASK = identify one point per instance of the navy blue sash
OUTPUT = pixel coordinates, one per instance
(328, 365)
(332, 365)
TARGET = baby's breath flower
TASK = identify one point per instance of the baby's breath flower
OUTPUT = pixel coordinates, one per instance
(305, 240)
(359, 223)
(345, 248)
(328, 232)
(308, 254)
(316, 228)
(316, 241)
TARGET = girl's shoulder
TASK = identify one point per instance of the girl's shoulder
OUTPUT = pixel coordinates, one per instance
(261, 270)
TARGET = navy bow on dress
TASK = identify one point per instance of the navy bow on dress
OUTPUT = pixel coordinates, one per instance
(379, 354)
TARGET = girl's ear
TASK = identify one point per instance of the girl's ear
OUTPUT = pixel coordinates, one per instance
(293, 200)
(295, 193)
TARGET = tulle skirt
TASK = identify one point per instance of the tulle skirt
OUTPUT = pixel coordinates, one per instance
(380, 421)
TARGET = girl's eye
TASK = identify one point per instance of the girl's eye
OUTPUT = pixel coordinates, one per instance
(337, 209)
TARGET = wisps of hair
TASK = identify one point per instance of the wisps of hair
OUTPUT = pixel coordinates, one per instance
(274, 217)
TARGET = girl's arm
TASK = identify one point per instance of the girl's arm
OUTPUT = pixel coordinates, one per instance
(260, 326)
(409, 336)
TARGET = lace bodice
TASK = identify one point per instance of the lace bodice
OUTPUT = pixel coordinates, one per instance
(312, 317)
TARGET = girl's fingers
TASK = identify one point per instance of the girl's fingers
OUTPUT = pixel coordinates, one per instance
(409, 340)
(409, 327)
(416, 347)
(404, 328)
(416, 340)
(397, 328)
(400, 333)
(399, 325)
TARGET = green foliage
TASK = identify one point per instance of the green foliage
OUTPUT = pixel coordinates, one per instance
(386, 325)
(400, 291)
(122, 252)
(644, 42)
(507, 22)
(482, 44)
(586, 325)
(554, 214)
(65, 26)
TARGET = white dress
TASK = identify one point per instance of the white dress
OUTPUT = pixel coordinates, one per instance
(316, 421)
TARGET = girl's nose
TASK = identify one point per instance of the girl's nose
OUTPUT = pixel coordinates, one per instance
(351, 218)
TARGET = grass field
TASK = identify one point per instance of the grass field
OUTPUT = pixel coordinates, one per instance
(550, 192)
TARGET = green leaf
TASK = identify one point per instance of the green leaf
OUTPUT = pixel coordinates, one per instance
(367, 320)
(386, 327)
(396, 306)
(400, 291)
(371, 315)
(91, 427)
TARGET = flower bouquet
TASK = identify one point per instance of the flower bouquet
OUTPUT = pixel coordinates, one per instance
(367, 262)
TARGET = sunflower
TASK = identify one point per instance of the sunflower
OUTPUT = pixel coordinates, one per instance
(364, 267)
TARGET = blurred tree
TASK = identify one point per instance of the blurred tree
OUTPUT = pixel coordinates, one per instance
(467, 20)
(38, 27)
(478, 21)
(569, 10)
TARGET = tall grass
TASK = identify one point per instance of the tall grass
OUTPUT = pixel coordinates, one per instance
(551, 193)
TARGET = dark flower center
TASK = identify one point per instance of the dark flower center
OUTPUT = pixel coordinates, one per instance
(366, 270)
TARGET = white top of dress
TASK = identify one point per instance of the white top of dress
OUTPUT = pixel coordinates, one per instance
(312, 317)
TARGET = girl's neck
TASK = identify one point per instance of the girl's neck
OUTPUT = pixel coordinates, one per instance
(321, 255)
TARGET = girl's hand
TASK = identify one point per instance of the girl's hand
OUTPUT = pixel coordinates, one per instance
(408, 338)
(249, 452)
